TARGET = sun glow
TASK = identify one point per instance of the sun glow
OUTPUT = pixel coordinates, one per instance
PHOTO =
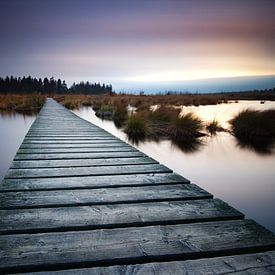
(187, 76)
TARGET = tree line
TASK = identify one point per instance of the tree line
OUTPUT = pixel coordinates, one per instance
(27, 85)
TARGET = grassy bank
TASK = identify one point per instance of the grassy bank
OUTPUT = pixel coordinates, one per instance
(75, 101)
(27, 104)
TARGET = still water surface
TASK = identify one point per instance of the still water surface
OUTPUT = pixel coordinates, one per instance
(242, 177)
(13, 128)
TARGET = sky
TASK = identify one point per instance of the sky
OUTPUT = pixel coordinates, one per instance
(135, 43)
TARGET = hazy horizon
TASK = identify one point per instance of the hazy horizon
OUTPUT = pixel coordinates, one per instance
(210, 85)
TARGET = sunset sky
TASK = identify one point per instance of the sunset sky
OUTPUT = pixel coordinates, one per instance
(131, 42)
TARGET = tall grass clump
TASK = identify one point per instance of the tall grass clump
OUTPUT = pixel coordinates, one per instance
(255, 128)
(185, 131)
(213, 127)
(186, 126)
(136, 128)
(120, 113)
(165, 114)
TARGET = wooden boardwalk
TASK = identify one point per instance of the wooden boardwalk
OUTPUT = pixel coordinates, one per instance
(77, 200)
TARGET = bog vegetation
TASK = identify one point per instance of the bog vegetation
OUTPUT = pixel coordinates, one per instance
(255, 129)
(152, 117)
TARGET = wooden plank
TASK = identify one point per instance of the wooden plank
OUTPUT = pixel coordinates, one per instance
(30, 140)
(113, 216)
(256, 263)
(89, 131)
(96, 155)
(58, 198)
(72, 141)
(75, 145)
(91, 182)
(68, 144)
(81, 163)
(62, 135)
(124, 148)
(75, 128)
(99, 136)
(86, 171)
(44, 251)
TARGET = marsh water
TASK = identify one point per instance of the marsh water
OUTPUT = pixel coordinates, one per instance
(240, 176)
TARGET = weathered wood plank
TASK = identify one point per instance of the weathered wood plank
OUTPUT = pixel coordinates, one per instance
(136, 245)
(86, 171)
(30, 140)
(256, 263)
(112, 216)
(72, 141)
(75, 145)
(88, 131)
(96, 155)
(91, 182)
(62, 135)
(124, 148)
(81, 163)
(58, 198)
(99, 136)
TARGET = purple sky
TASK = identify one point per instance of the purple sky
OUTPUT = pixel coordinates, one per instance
(131, 42)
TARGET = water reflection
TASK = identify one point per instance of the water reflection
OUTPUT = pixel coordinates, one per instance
(188, 145)
(242, 177)
(24, 113)
(13, 128)
(263, 145)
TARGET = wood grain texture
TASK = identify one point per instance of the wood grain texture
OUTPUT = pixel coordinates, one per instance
(90, 182)
(77, 155)
(86, 171)
(112, 216)
(25, 252)
(81, 162)
(58, 198)
(256, 263)
(124, 148)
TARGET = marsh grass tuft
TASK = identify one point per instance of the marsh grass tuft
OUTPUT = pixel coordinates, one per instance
(136, 128)
(165, 114)
(187, 126)
(255, 129)
(120, 113)
(213, 127)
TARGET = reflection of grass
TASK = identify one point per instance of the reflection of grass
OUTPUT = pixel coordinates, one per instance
(105, 111)
(188, 145)
(255, 129)
(165, 122)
